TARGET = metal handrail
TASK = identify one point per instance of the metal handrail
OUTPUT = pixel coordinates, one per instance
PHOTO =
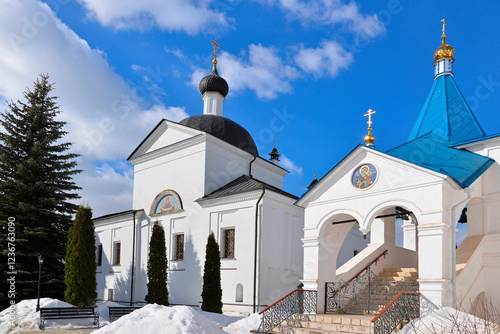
(279, 300)
(369, 264)
(392, 302)
(404, 307)
(365, 294)
(353, 278)
(296, 302)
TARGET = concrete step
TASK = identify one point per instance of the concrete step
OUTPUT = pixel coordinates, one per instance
(399, 270)
(399, 278)
(399, 274)
(326, 324)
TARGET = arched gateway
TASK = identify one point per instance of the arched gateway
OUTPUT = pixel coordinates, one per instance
(424, 185)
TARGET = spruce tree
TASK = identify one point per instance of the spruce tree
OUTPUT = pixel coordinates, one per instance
(80, 262)
(36, 187)
(157, 267)
(211, 294)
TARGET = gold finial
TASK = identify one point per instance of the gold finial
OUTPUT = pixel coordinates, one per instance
(315, 176)
(216, 46)
(444, 25)
(445, 50)
(274, 153)
(370, 139)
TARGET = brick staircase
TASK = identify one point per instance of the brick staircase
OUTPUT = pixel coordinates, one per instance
(326, 324)
(399, 274)
(381, 294)
(383, 288)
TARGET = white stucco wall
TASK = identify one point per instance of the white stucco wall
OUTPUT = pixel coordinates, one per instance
(192, 168)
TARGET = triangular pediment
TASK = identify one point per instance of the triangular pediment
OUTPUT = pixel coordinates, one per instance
(164, 134)
(367, 171)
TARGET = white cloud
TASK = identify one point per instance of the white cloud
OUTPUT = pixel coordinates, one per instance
(176, 52)
(196, 77)
(137, 68)
(151, 117)
(98, 104)
(100, 107)
(326, 60)
(290, 165)
(107, 189)
(331, 12)
(172, 15)
(263, 72)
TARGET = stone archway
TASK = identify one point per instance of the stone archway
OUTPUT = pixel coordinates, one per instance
(381, 223)
(321, 249)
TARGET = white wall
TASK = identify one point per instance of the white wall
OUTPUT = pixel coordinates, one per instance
(116, 277)
(281, 256)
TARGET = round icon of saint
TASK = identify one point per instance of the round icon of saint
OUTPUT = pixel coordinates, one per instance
(364, 176)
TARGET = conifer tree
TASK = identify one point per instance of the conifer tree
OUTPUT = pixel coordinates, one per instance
(211, 294)
(80, 263)
(36, 187)
(157, 267)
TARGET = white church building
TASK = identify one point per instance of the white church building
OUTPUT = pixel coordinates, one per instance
(201, 175)
(444, 172)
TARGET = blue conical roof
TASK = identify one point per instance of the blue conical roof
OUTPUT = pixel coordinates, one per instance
(447, 114)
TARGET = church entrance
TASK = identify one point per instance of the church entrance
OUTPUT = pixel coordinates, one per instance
(374, 275)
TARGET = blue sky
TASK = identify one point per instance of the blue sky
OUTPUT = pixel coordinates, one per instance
(300, 72)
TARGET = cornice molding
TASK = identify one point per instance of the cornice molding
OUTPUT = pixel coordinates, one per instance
(202, 137)
(229, 199)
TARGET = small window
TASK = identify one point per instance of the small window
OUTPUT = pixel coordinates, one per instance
(239, 293)
(179, 247)
(228, 243)
(116, 253)
(110, 294)
(98, 255)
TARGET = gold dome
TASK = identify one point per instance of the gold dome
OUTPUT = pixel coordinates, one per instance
(369, 139)
(445, 50)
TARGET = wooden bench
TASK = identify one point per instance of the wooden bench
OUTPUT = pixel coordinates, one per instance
(59, 313)
(117, 312)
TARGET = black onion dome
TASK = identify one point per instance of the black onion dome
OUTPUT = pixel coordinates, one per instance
(214, 83)
(224, 129)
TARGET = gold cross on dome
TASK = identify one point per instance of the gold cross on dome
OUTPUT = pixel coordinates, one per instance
(216, 46)
(444, 25)
(369, 114)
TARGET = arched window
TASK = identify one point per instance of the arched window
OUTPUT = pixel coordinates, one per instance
(239, 292)
(167, 201)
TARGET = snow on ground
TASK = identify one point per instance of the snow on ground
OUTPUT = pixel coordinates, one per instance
(244, 325)
(149, 319)
(221, 320)
(447, 320)
(155, 318)
(103, 309)
(25, 315)
(28, 319)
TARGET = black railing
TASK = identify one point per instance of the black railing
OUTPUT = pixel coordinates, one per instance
(365, 294)
(296, 302)
(405, 307)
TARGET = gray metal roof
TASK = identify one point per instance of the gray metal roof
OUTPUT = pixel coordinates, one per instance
(224, 129)
(243, 184)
